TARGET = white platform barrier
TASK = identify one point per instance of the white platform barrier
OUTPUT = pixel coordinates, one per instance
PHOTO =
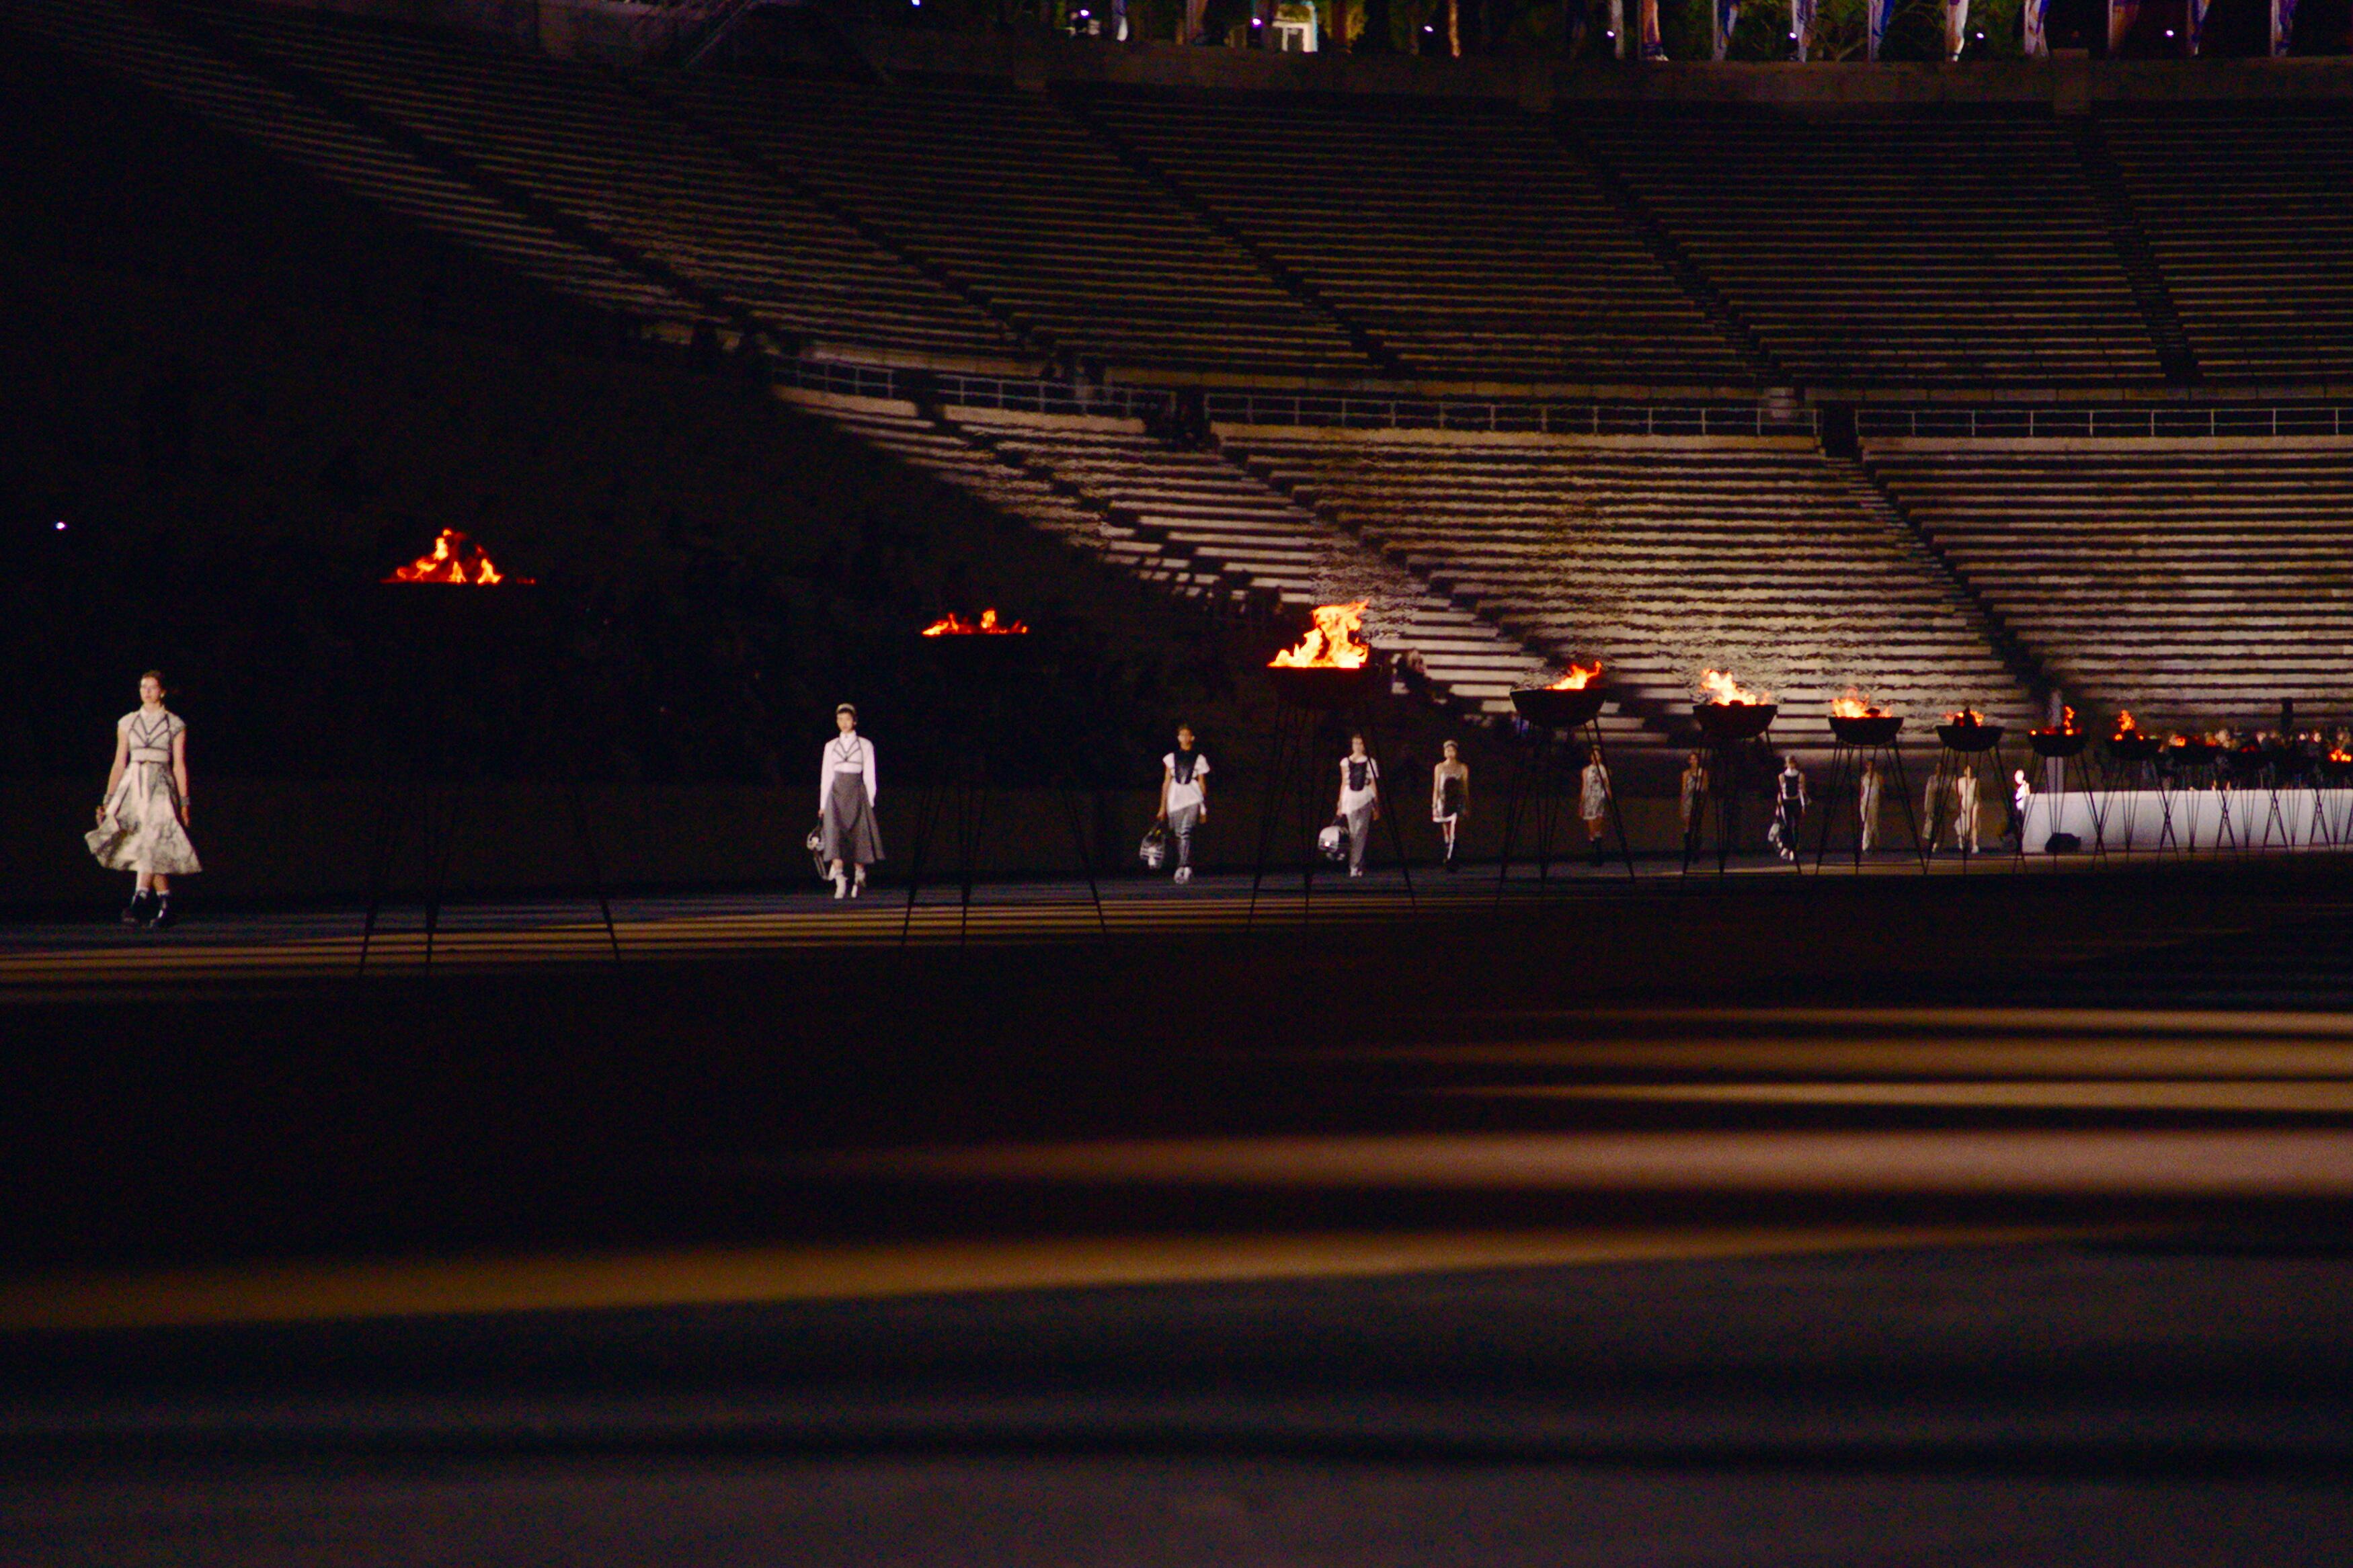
(2202, 819)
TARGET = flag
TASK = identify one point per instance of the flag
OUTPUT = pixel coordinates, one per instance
(2122, 14)
(2038, 37)
(1727, 17)
(1957, 27)
(1652, 49)
(2283, 24)
(1801, 22)
(1874, 24)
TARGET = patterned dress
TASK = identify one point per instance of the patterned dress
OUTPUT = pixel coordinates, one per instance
(140, 830)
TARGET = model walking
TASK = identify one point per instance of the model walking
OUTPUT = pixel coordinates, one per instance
(1964, 813)
(1184, 796)
(1360, 800)
(1933, 802)
(1593, 801)
(1790, 803)
(142, 823)
(1694, 801)
(845, 793)
(2021, 798)
(1450, 797)
(1867, 803)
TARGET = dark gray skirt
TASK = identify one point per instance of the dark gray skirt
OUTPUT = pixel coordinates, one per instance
(849, 832)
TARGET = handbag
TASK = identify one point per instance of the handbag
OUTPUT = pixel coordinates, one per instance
(1153, 851)
(814, 844)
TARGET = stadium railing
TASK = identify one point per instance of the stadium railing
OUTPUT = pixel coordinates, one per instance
(2122, 424)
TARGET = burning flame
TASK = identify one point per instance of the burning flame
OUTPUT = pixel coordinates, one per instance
(455, 558)
(1853, 704)
(1576, 678)
(2127, 729)
(1966, 719)
(1719, 687)
(1333, 644)
(2066, 725)
(954, 625)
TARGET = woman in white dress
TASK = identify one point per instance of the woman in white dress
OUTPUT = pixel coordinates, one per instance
(1450, 796)
(1964, 813)
(1593, 802)
(845, 793)
(1360, 800)
(142, 823)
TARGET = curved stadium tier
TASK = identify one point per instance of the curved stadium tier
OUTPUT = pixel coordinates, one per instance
(1960, 404)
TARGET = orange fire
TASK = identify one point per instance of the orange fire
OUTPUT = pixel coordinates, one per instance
(455, 558)
(2066, 725)
(1334, 643)
(1719, 687)
(1853, 704)
(1576, 678)
(1968, 717)
(954, 625)
(2127, 728)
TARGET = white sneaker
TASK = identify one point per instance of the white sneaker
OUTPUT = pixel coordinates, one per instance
(840, 888)
(1183, 873)
(1356, 870)
(857, 888)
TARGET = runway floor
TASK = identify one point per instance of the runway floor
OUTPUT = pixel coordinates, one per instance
(1890, 1219)
(244, 944)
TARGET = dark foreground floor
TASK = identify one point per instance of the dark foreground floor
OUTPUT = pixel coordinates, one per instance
(1910, 1223)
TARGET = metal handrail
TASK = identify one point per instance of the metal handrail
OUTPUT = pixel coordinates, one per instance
(1022, 394)
(2121, 423)
(1545, 419)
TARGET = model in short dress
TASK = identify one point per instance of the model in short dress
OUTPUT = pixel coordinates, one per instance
(1450, 797)
(846, 792)
(142, 823)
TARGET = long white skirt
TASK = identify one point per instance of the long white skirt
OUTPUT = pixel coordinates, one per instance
(141, 830)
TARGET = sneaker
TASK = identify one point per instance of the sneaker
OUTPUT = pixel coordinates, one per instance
(1356, 870)
(1183, 873)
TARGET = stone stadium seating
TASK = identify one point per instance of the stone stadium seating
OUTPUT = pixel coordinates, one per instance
(135, 46)
(1002, 191)
(1460, 235)
(1662, 558)
(898, 430)
(1192, 521)
(1930, 247)
(575, 141)
(2193, 581)
(2245, 208)
(1231, 527)
(1364, 256)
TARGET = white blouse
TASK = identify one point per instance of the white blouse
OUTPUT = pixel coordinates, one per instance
(850, 753)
